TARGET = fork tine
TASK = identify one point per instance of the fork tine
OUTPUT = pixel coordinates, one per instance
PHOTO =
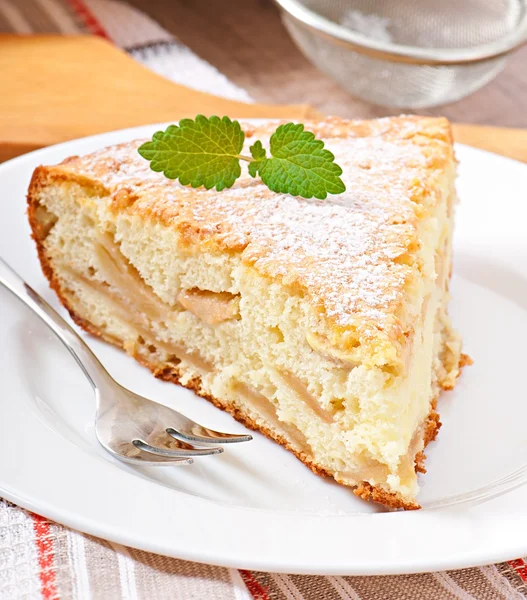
(177, 452)
(127, 452)
(164, 461)
(183, 428)
(203, 435)
(154, 460)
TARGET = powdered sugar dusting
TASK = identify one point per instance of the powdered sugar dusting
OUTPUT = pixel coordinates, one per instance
(342, 251)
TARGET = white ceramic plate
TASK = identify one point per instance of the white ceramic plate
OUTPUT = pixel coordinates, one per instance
(256, 506)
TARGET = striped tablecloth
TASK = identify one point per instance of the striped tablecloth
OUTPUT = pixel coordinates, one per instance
(40, 559)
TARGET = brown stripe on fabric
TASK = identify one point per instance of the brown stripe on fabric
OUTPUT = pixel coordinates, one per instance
(285, 583)
(65, 18)
(61, 561)
(39, 19)
(103, 569)
(167, 578)
(474, 582)
(4, 25)
(402, 587)
(313, 588)
(512, 576)
(11, 20)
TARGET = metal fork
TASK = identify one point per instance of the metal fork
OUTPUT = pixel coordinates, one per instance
(130, 427)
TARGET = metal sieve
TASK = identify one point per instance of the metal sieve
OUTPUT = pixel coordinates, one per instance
(407, 53)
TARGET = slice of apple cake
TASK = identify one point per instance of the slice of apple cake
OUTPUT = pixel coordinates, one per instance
(321, 323)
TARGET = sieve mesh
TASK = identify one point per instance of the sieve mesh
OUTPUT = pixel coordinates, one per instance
(448, 25)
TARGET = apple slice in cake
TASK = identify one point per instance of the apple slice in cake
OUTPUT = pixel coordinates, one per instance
(321, 323)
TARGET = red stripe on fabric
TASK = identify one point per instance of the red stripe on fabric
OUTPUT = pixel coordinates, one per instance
(257, 591)
(520, 566)
(44, 542)
(88, 18)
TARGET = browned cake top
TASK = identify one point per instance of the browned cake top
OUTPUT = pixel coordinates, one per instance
(348, 253)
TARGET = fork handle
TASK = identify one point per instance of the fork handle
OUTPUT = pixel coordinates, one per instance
(86, 359)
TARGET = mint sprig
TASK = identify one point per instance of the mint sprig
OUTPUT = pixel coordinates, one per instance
(205, 152)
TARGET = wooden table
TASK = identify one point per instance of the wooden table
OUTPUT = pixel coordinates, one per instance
(246, 41)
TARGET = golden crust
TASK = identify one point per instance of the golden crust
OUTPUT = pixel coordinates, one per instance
(368, 492)
(349, 255)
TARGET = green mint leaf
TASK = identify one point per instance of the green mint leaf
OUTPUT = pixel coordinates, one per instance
(200, 152)
(259, 155)
(206, 152)
(300, 165)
